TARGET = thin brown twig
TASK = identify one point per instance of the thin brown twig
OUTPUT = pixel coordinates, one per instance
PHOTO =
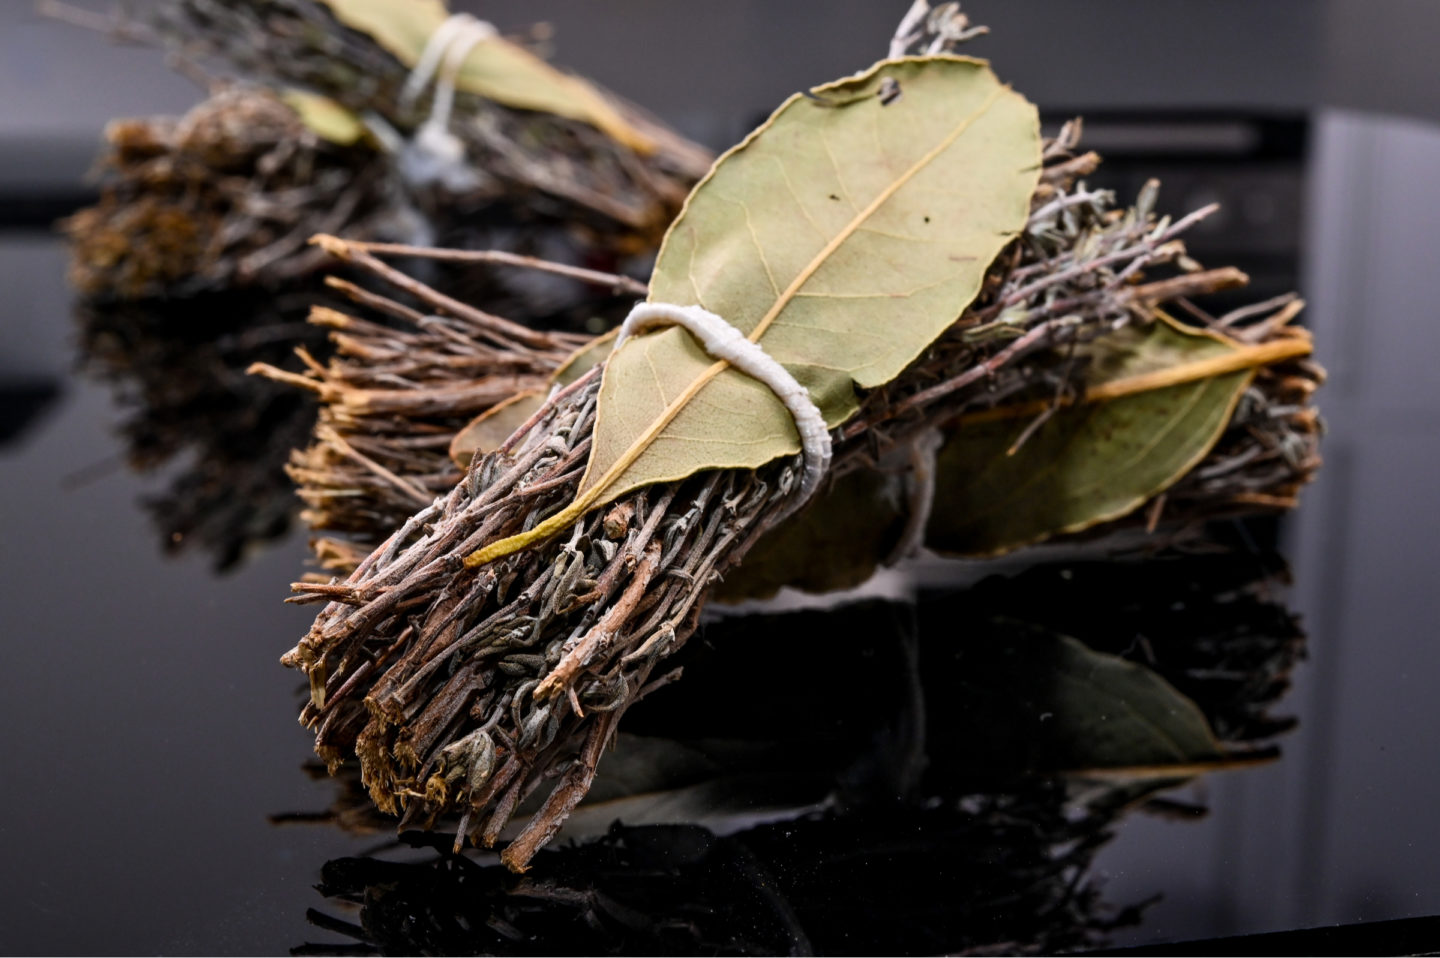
(614, 281)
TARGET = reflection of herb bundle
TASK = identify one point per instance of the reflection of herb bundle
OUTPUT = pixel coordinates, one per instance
(1000, 853)
(1008, 882)
(489, 647)
(178, 371)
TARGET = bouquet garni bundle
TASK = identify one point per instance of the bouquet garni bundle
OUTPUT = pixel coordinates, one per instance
(344, 119)
(972, 357)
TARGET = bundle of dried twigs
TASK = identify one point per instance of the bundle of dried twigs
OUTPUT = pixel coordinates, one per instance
(510, 153)
(228, 194)
(394, 396)
(468, 688)
(225, 196)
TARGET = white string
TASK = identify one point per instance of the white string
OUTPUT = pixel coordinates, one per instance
(455, 26)
(434, 154)
(722, 341)
(475, 31)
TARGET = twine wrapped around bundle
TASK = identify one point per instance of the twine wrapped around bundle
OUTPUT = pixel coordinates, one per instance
(466, 688)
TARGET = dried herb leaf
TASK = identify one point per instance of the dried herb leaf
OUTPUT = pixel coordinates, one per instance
(844, 235)
(324, 117)
(489, 430)
(834, 544)
(495, 69)
(1126, 447)
(584, 359)
(1158, 399)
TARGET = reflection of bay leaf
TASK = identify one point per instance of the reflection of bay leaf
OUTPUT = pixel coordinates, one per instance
(1031, 701)
(1158, 397)
(844, 236)
(646, 780)
(495, 69)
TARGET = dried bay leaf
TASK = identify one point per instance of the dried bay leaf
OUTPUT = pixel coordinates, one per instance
(835, 544)
(324, 117)
(584, 359)
(844, 239)
(1158, 397)
(489, 430)
(844, 235)
(1130, 451)
(495, 69)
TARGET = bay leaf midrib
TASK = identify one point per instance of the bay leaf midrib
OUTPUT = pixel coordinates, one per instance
(647, 438)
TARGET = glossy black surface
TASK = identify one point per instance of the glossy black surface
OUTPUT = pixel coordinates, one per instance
(149, 732)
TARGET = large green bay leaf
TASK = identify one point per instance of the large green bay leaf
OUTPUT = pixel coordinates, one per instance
(1091, 462)
(844, 235)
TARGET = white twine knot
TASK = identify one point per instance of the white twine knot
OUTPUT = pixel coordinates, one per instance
(720, 340)
(434, 154)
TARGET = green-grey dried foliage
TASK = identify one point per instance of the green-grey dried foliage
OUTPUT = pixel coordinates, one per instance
(1090, 462)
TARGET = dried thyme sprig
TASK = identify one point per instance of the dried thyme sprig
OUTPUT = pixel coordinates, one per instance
(469, 689)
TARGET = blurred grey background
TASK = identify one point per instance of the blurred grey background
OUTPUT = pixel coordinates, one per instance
(710, 68)
(1343, 829)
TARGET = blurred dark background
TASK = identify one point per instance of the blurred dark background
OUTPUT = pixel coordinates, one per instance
(1316, 123)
